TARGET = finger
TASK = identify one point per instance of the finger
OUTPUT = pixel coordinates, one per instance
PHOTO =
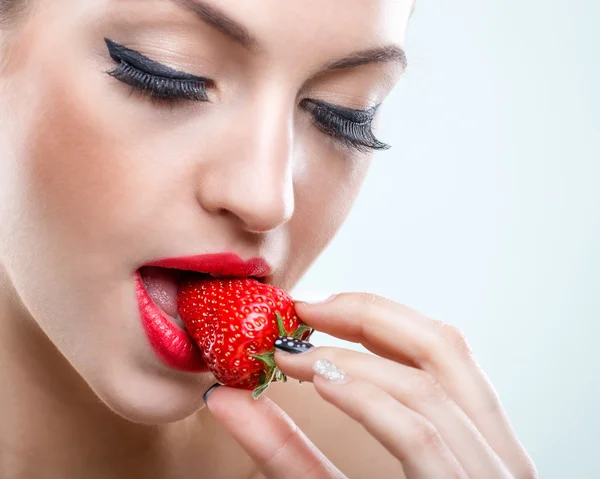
(278, 447)
(417, 390)
(397, 332)
(404, 433)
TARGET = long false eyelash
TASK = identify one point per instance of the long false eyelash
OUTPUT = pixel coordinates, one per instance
(158, 87)
(154, 79)
(351, 127)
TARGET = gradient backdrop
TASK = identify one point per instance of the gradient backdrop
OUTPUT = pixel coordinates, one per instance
(486, 212)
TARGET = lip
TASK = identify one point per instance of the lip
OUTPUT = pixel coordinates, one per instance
(173, 345)
(225, 264)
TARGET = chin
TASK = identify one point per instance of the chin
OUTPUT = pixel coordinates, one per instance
(143, 398)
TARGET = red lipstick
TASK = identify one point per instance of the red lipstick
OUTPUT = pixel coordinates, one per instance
(171, 343)
(226, 264)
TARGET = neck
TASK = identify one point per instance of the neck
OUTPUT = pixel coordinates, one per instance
(53, 425)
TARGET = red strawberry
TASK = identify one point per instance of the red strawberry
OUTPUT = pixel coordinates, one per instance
(235, 323)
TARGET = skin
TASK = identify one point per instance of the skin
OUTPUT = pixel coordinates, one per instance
(96, 180)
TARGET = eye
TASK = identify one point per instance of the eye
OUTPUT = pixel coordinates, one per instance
(351, 127)
(154, 79)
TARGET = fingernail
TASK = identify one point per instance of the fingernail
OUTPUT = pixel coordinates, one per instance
(292, 345)
(208, 391)
(325, 368)
(313, 297)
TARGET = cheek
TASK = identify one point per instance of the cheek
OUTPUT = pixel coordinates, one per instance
(80, 197)
(67, 200)
(88, 177)
(325, 192)
(75, 183)
(76, 196)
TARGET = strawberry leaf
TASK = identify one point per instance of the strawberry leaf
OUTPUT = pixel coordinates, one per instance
(259, 390)
(282, 331)
(300, 330)
(309, 334)
(279, 376)
(267, 358)
(266, 380)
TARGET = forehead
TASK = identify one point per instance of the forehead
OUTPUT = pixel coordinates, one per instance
(316, 21)
(326, 28)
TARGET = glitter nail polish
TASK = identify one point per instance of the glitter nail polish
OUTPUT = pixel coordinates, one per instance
(325, 368)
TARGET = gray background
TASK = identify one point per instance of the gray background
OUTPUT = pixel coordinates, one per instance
(485, 213)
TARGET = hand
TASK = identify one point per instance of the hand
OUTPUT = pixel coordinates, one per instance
(424, 397)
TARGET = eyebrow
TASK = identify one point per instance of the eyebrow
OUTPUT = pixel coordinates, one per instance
(388, 53)
(242, 36)
(217, 19)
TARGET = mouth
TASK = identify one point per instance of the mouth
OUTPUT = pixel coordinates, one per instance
(162, 278)
(162, 285)
(157, 285)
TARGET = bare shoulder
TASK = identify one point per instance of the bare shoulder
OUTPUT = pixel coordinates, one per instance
(344, 441)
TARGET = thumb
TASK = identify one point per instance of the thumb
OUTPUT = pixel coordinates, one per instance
(276, 444)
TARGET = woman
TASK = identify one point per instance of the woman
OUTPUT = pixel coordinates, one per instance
(134, 131)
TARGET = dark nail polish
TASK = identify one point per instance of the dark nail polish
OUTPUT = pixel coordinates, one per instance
(208, 391)
(292, 345)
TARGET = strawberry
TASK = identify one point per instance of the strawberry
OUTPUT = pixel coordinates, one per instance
(235, 323)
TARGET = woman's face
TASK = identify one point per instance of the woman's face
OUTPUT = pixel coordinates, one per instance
(253, 151)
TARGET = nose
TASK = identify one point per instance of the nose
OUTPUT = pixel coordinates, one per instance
(246, 171)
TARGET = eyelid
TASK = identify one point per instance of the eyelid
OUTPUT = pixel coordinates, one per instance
(352, 127)
(361, 117)
(122, 54)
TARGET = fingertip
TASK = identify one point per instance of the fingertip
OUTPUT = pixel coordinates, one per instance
(227, 403)
(208, 392)
(312, 311)
(312, 297)
(219, 397)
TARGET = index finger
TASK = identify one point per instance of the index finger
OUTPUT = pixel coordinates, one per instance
(276, 444)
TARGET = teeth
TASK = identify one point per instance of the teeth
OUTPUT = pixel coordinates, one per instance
(218, 276)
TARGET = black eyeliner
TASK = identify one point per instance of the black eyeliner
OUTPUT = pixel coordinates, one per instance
(120, 54)
(350, 114)
(154, 80)
(351, 127)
